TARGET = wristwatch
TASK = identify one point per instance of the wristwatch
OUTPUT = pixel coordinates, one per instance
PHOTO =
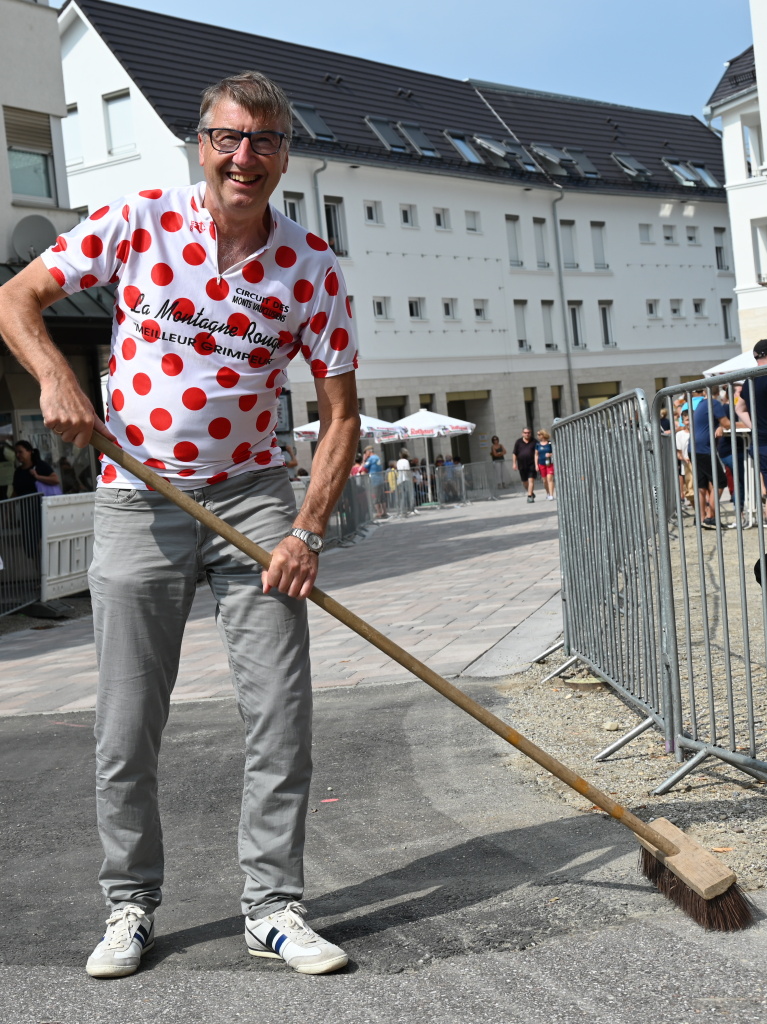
(313, 541)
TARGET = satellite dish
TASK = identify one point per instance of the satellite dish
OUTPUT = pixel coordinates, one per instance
(32, 235)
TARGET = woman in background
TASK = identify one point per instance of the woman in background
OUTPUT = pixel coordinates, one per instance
(32, 471)
(498, 455)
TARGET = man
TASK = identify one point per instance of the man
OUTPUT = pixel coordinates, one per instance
(405, 496)
(216, 293)
(705, 455)
(756, 418)
(523, 460)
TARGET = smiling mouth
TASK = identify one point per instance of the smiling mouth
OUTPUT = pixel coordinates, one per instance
(243, 179)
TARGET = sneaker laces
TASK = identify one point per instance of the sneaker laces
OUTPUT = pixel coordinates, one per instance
(119, 926)
(292, 920)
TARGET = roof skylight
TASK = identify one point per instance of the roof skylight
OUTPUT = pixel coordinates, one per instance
(417, 139)
(633, 167)
(387, 133)
(313, 122)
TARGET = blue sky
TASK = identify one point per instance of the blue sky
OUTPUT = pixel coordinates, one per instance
(661, 54)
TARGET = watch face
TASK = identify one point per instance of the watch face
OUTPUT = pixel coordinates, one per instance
(314, 542)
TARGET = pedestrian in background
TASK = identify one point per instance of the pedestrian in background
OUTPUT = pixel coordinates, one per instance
(498, 456)
(523, 454)
(756, 418)
(544, 462)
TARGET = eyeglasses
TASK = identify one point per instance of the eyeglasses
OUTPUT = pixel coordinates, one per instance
(229, 140)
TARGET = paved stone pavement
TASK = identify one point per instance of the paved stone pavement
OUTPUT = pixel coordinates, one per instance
(470, 590)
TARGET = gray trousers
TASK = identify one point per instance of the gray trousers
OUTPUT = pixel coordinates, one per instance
(147, 558)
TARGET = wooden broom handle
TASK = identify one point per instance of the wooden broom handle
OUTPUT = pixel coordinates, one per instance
(394, 651)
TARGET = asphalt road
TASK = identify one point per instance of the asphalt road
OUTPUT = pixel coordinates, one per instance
(461, 893)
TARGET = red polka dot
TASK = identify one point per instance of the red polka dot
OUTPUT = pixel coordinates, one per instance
(303, 291)
(109, 474)
(278, 392)
(118, 400)
(172, 364)
(162, 274)
(129, 348)
(239, 323)
(182, 308)
(114, 278)
(194, 204)
(151, 193)
(204, 344)
(306, 352)
(194, 399)
(131, 296)
(315, 242)
(172, 221)
(246, 402)
(217, 289)
(220, 428)
(263, 458)
(212, 230)
(185, 451)
(318, 323)
(154, 464)
(355, 363)
(160, 419)
(262, 421)
(100, 213)
(241, 453)
(140, 240)
(150, 330)
(186, 472)
(92, 246)
(271, 307)
(319, 369)
(194, 254)
(339, 339)
(142, 385)
(253, 272)
(126, 212)
(112, 365)
(285, 256)
(88, 281)
(349, 307)
(295, 350)
(218, 478)
(119, 315)
(61, 244)
(227, 377)
(122, 252)
(270, 380)
(134, 435)
(57, 276)
(274, 443)
(286, 338)
(331, 284)
(259, 357)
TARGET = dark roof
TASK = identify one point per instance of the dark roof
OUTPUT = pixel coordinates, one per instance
(94, 304)
(739, 77)
(172, 60)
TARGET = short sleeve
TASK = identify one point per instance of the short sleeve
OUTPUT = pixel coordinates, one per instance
(329, 340)
(93, 252)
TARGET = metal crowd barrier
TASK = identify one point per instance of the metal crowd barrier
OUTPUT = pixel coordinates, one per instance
(20, 544)
(354, 509)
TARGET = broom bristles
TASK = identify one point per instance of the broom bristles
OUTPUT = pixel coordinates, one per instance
(731, 911)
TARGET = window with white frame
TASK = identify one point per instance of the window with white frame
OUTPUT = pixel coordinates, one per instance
(373, 211)
(473, 223)
(418, 139)
(313, 122)
(335, 224)
(520, 321)
(547, 316)
(450, 309)
(481, 309)
(720, 249)
(691, 232)
(121, 138)
(408, 215)
(294, 207)
(677, 307)
(645, 234)
(441, 218)
(669, 234)
(653, 307)
(539, 232)
(682, 172)
(382, 307)
(465, 148)
(606, 323)
(417, 308)
(753, 148)
(512, 239)
(699, 307)
(598, 245)
(30, 153)
(704, 174)
(70, 128)
(727, 320)
(387, 133)
(567, 236)
(576, 328)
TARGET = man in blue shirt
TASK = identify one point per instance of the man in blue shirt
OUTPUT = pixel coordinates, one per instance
(705, 453)
(756, 418)
(371, 464)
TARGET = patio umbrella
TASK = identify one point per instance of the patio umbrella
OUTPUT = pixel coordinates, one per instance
(380, 430)
(427, 424)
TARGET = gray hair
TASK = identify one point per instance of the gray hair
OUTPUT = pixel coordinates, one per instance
(252, 91)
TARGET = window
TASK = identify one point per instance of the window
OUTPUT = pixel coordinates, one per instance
(520, 157)
(294, 207)
(387, 133)
(631, 166)
(335, 224)
(653, 308)
(645, 234)
(547, 314)
(704, 174)
(598, 245)
(596, 393)
(30, 153)
(408, 215)
(466, 150)
(313, 122)
(481, 310)
(70, 127)
(677, 307)
(605, 323)
(120, 136)
(752, 148)
(418, 139)
(669, 234)
(539, 230)
(583, 164)
(450, 309)
(556, 161)
(556, 401)
(473, 223)
(574, 316)
(699, 307)
(567, 234)
(692, 234)
(373, 211)
(512, 239)
(417, 308)
(683, 173)
(520, 312)
(720, 249)
(727, 320)
(441, 218)
(382, 307)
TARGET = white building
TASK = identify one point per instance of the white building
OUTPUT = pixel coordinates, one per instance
(744, 131)
(511, 254)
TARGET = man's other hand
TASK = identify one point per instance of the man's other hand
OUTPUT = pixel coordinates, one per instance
(293, 569)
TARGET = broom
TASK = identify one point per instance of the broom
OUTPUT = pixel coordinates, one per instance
(682, 870)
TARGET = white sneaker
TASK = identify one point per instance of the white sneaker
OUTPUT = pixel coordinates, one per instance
(284, 934)
(129, 934)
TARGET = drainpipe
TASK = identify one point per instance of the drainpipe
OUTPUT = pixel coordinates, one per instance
(562, 301)
(317, 204)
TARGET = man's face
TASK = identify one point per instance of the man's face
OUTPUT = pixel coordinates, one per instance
(526, 435)
(242, 181)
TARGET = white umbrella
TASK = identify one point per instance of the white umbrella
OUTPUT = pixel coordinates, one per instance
(369, 427)
(742, 361)
(427, 424)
